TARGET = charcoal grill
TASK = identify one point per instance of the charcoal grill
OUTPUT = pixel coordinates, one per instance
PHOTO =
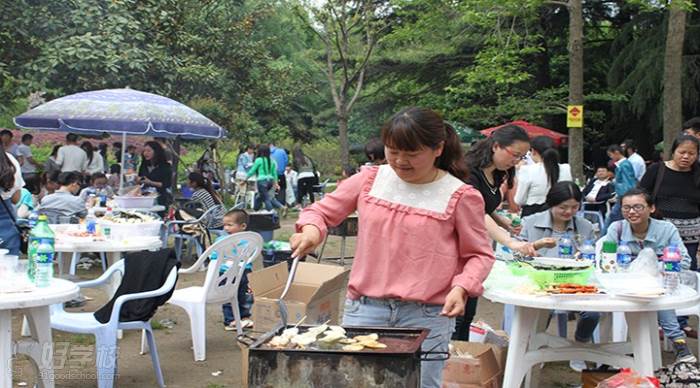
(398, 365)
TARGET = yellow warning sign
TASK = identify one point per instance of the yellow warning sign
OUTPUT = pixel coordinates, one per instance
(574, 116)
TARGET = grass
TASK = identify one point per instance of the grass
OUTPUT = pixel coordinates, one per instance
(155, 325)
(213, 385)
(83, 339)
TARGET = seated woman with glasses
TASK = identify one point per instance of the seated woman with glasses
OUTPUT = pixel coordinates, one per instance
(640, 231)
(546, 228)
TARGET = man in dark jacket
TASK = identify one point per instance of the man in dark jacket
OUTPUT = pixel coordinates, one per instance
(599, 189)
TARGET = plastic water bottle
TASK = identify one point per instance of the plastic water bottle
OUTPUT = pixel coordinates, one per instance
(40, 232)
(588, 251)
(91, 222)
(672, 268)
(624, 257)
(566, 247)
(33, 218)
(44, 263)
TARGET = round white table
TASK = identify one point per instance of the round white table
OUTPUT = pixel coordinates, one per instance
(152, 209)
(531, 312)
(111, 250)
(39, 347)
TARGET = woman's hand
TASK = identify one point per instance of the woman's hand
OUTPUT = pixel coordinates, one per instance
(306, 241)
(547, 242)
(454, 302)
(524, 248)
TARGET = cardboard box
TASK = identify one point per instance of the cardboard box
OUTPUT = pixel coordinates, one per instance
(591, 378)
(481, 370)
(315, 293)
(244, 365)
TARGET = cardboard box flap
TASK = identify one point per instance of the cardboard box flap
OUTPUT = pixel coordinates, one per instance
(334, 284)
(268, 279)
(480, 369)
(316, 274)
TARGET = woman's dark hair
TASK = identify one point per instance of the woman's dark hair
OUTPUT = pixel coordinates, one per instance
(689, 139)
(480, 155)
(115, 169)
(7, 171)
(33, 184)
(544, 146)
(637, 191)
(54, 150)
(264, 152)
(415, 127)
(158, 153)
(205, 184)
(68, 177)
(374, 150)
(562, 192)
(89, 150)
(349, 171)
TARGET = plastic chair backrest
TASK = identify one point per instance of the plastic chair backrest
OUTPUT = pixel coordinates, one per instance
(235, 251)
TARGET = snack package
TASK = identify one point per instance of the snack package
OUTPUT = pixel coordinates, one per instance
(629, 378)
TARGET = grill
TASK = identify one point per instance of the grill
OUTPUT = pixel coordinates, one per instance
(398, 365)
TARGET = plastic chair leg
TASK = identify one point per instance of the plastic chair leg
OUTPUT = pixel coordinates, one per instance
(106, 361)
(103, 257)
(59, 259)
(177, 243)
(144, 345)
(197, 314)
(73, 263)
(154, 355)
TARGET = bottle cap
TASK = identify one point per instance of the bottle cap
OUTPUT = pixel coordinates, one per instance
(43, 217)
(609, 246)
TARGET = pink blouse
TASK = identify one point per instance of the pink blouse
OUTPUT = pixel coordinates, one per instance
(415, 242)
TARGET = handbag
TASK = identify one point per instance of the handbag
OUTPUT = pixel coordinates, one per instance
(22, 230)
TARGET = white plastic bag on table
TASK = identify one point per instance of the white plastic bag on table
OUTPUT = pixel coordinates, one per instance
(646, 263)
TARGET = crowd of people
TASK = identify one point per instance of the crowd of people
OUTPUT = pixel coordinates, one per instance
(443, 210)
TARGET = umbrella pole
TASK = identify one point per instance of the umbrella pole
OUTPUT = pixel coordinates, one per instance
(123, 171)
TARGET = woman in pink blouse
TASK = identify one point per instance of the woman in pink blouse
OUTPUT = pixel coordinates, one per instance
(422, 247)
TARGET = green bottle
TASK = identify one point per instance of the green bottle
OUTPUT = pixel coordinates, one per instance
(41, 232)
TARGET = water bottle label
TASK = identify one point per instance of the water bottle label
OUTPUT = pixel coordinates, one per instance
(623, 258)
(672, 266)
(44, 257)
(91, 227)
(566, 250)
(588, 256)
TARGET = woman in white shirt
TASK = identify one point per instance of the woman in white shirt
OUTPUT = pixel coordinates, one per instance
(534, 180)
(95, 161)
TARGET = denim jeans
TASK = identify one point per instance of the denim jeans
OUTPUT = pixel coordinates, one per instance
(669, 324)
(267, 198)
(395, 313)
(585, 326)
(245, 301)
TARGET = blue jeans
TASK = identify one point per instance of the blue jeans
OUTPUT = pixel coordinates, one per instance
(395, 313)
(264, 187)
(669, 324)
(245, 301)
(585, 326)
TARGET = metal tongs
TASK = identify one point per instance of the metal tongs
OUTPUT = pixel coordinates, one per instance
(282, 306)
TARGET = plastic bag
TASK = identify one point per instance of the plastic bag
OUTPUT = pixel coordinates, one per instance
(680, 375)
(629, 378)
(645, 263)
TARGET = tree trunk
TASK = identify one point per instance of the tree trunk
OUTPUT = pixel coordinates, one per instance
(576, 85)
(343, 137)
(673, 63)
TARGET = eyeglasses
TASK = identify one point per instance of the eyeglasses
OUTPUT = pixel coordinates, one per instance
(514, 155)
(637, 208)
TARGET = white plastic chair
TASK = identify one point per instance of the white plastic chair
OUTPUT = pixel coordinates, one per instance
(238, 250)
(180, 237)
(106, 333)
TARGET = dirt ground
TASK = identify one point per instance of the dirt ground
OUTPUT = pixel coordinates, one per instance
(75, 360)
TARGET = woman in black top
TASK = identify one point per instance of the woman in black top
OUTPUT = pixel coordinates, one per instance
(675, 189)
(156, 172)
(491, 162)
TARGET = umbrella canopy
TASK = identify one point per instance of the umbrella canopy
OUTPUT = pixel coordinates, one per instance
(120, 111)
(532, 131)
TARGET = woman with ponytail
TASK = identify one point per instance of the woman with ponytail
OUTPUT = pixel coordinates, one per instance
(422, 247)
(11, 184)
(535, 180)
(203, 192)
